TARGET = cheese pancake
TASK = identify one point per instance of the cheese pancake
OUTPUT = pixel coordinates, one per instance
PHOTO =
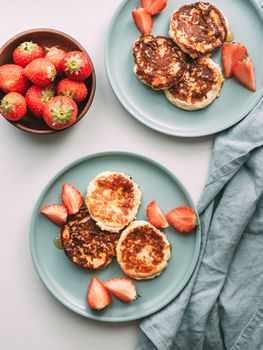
(201, 85)
(113, 200)
(199, 28)
(86, 244)
(143, 251)
(159, 63)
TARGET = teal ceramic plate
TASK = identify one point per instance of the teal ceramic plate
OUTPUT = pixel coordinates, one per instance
(69, 283)
(151, 107)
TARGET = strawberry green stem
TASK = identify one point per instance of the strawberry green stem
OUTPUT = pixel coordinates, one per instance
(61, 113)
(7, 105)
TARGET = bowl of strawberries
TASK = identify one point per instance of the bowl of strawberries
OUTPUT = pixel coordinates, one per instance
(47, 81)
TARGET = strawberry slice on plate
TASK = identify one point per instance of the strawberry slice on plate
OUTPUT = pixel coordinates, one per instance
(244, 71)
(184, 219)
(155, 215)
(98, 296)
(56, 213)
(122, 288)
(154, 6)
(71, 198)
(231, 54)
(143, 20)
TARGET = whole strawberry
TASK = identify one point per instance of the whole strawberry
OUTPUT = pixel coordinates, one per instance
(60, 112)
(12, 79)
(13, 106)
(77, 90)
(40, 71)
(27, 52)
(55, 56)
(77, 65)
(37, 97)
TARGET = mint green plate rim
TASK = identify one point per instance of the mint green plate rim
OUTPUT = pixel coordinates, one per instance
(139, 116)
(36, 212)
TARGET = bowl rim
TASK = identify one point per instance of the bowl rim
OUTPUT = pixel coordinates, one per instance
(93, 75)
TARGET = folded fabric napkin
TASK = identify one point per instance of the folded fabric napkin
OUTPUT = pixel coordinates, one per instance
(221, 307)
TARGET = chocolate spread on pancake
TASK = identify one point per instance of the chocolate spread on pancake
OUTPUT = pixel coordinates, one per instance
(159, 62)
(202, 26)
(198, 81)
(138, 239)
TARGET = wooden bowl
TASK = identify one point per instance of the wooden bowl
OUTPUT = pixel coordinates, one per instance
(46, 38)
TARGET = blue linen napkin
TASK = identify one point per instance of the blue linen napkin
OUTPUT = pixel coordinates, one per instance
(222, 305)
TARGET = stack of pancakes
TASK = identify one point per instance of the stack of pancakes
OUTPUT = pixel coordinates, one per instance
(91, 238)
(180, 65)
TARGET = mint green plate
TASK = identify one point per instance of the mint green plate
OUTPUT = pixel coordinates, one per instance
(151, 107)
(69, 283)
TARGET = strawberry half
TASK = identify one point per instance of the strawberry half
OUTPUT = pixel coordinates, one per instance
(155, 215)
(154, 6)
(56, 213)
(122, 288)
(98, 296)
(71, 198)
(143, 20)
(184, 219)
(231, 54)
(244, 71)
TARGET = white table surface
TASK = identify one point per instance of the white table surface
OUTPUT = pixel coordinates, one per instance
(30, 317)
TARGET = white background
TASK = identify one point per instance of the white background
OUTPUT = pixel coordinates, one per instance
(30, 318)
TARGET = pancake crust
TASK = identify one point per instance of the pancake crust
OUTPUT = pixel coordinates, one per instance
(143, 251)
(199, 28)
(159, 63)
(113, 200)
(201, 85)
(86, 244)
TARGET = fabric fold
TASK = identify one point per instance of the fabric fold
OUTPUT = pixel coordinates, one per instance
(221, 306)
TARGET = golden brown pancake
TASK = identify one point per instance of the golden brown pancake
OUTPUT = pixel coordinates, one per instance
(143, 251)
(159, 63)
(113, 200)
(200, 86)
(198, 28)
(86, 244)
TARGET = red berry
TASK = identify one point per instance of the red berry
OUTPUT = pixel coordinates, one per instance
(12, 79)
(77, 65)
(155, 215)
(77, 90)
(37, 97)
(27, 52)
(13, 106)
(72, 198)
(122, 288)
(231, 54)
(56, 213)
(143, 20)
(154, 6)
(55, 56)
(60, 112)
(184, 219)
(98, 297)
(40, 71)
(244, 71)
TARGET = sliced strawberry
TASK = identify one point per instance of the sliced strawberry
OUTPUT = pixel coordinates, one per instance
(98, 296)
(72, 198)
(143, 20)
(184, 219)
(56, 213)
(122, 288)
(155, 215)
(231, 54)
(154, 6)
(244, 71)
